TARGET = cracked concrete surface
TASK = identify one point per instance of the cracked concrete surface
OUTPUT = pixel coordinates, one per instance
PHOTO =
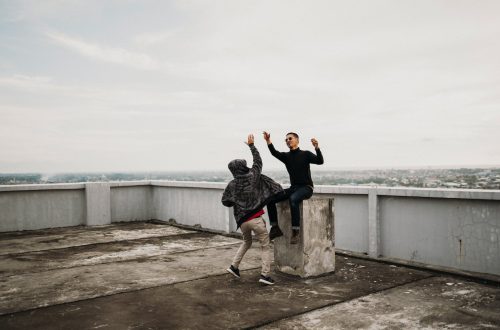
(431, 303)
(154, 276)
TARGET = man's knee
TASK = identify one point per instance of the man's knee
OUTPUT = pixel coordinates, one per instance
(295, 201)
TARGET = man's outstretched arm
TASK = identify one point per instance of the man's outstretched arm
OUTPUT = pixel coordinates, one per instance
(318, 158)
(257, 161)
(273, 151)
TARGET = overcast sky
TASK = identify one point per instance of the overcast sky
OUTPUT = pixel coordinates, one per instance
(177, 85)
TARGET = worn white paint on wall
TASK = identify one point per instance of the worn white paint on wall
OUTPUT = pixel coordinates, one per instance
(38, 209)
(462, 234)
(351, 226)
(131, 203)
(97, 196)
(191, 207)
(373, 224)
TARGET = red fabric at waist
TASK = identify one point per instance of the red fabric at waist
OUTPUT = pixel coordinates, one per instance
(256, 215)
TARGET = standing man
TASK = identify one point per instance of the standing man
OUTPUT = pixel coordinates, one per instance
(297, 164)
(248, 193)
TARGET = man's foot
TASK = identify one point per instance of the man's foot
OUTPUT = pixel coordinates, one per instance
(275, 232)
(295, 236)
(266, 280)
(234, 271)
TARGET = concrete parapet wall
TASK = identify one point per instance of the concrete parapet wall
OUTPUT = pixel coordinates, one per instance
(461, 234)
(351, 222)
(39, 209)
(131, 203)
(192, 206)
(451, 228)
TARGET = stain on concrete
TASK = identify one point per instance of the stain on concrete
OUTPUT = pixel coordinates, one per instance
(74, 236)
(220, 301)
(116, 251)
(179, 281)
(431, 303)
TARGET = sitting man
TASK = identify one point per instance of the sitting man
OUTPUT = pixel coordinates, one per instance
(297, 164)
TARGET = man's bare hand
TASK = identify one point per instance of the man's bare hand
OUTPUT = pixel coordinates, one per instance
(267, 137)
(315, 143)
(250, 139)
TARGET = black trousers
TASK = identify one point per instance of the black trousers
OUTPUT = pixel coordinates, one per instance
(295, 195)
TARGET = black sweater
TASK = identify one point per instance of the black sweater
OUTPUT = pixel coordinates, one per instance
(297, 164)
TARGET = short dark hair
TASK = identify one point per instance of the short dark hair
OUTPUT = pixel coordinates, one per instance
(292, 133)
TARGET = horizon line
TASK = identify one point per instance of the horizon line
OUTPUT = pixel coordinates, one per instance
(339, 168)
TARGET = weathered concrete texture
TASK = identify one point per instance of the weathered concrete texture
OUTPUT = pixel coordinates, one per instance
(28, 291)
(97, 196)
(448, 233)
(131, 203)
(178, 281)
(63, 265)
(85, 255)
(314, 255)
(432, 303)
(19, 242)
(217, 302)
(37, 209)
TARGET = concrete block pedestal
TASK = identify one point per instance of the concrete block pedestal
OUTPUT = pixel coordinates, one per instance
(314, 255)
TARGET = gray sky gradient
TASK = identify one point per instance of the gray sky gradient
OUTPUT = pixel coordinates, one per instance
(177, 85)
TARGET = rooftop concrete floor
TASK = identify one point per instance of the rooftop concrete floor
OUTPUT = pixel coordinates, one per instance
(146, 275)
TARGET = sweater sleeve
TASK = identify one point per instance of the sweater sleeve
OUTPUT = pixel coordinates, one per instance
(316, 159)
(257, 161)
(275, 153)
(228, 196)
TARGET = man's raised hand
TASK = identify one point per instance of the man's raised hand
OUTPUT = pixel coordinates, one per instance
(267, 137)
(250, 139)
(315, 143)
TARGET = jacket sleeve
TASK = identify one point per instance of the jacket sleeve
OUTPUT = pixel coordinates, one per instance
(257, 161)
(316, 159)
(228, 196)
(275, 153)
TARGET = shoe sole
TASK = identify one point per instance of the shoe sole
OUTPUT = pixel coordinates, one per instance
(232, 273)
(266, 282)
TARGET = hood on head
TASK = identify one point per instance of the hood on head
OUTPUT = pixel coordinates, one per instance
(238, 167)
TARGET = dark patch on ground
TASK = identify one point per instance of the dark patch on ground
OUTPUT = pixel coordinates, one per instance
(218, 301)
(129, 226)
(42, 259)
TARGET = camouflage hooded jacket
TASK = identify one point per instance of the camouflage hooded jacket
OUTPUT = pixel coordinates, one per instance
(250, 190)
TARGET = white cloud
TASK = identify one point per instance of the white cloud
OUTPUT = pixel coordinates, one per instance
(23, 81)
(147, 39)
(107, 54)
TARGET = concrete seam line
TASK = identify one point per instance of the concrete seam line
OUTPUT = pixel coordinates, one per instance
(118, 261)
(91, 244)
(201, 229)
(337, 302)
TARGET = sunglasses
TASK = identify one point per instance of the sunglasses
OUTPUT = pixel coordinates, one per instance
(289, 138)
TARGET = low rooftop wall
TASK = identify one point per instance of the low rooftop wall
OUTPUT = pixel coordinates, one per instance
(451, 229)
